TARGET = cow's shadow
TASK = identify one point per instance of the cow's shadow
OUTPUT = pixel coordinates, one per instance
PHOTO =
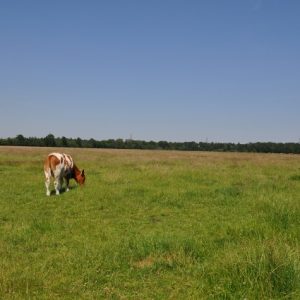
(63, 190)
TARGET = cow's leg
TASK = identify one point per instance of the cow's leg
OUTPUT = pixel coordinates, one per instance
(61, 181)
(47, 182)
(67, 180)
(57, 181)
(57, 185)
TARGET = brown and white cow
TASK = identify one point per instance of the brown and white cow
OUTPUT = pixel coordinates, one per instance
(61, 166)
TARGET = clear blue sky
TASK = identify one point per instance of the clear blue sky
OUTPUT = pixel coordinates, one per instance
(157, 70)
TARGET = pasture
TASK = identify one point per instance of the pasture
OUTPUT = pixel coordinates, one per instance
(151, 225)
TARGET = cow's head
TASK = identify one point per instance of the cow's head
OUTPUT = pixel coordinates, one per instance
(80, 178)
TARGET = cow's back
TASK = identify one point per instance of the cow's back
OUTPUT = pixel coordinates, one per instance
(52, 161)
(59, 160)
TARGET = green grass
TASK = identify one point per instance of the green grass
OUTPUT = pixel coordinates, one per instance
(151, 225)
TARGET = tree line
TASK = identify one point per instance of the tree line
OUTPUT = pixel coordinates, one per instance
(51, 141)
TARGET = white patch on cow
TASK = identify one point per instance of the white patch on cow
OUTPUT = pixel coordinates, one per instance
(47, 181)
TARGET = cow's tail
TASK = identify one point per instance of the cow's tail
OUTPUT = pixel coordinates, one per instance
(47, 167)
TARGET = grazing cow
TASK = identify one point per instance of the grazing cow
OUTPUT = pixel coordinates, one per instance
(61, 166)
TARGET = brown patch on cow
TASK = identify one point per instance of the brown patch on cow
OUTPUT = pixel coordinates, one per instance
(79, 176)
(51, 162)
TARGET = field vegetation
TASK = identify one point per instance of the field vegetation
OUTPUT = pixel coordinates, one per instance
(151, 225)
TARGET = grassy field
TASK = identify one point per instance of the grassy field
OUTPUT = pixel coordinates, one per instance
(151, 225)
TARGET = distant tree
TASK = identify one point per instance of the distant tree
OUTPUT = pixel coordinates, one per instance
(119, 143)
(50, 140)
(20, 140)
(79, 142)
(3, 142)
(34, 141)
(192, 146)
(163, 144)
(10, 141)
(92, 143)
(64, 141)
(152, 145)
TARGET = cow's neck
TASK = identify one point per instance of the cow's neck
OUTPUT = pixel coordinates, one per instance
(76, 171)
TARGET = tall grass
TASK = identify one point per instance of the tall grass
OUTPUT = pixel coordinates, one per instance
(152, 225)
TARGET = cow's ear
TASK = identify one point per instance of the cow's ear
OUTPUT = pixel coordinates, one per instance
(82, 173)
